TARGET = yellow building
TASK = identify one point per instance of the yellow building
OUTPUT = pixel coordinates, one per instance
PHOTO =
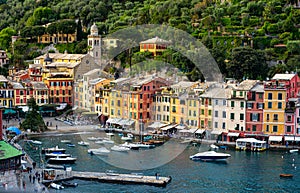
(193, 103)
(57, 38)
(162, 104)
(98, 86)
(154, 45)
(61, 71)
(274, 101)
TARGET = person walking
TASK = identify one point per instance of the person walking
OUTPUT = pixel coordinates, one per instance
(30, 178)
(33, 179)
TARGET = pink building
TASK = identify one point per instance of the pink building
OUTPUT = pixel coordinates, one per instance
(254, 111)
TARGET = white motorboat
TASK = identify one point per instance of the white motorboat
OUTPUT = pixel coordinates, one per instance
(53, 149)
(108, 141)
(213, 146)
(83, 143)
(293, 150)
(110, 134)
(99, 151)
(144, 145)
(36, 142)
(129, 137)
(130, 145)
(65, 141)
(210, 156)
(56, 186)
(120, 148)
(60, 160)
(62, 155)
(99, 142)
(94, 138)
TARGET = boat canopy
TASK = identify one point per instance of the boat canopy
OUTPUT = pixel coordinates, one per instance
(250, 140)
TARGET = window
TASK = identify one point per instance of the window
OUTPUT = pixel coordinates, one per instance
(231, 116)
(209, 101)
(270, 105)
(253, 127)
(270, 96)
(173, 109)
(182, 110)
(216, 113)
(242, 116)
(260, 105)
(254, 117)
(275, 128)
(216, 124)
(289, 118)
(202, 111)
(267, 128)
(268, 117)
(288, 129)
(202, 123)
(249, 105)
(275, 117)
(232, 104)
(223, 125)
(279, 96)
(242, 104)
(224, 102)
(190, 113)
(241, 93)
(260, 95)
(224, 114)
(209, 112)
(279, 105)
(216, 102)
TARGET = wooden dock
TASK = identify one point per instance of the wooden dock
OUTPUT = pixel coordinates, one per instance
(111, 177)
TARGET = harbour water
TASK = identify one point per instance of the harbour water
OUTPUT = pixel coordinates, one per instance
(242, 172)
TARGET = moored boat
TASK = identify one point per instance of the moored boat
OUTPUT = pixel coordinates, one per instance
(65, 141)
(83, 143)
(69, 184)
(286, 175)
(71, 145)
(94, 138)
(99, 151)
(119, 148)
(213, 146)
(210, 156)
(59, 160)
(250, 144)
(56, 186)
(145, 145)
(293, 150)
(62, 155)
(36, 142)
(53, 149)
(130, 145)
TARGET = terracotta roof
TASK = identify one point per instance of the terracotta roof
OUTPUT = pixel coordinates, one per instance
(155, 40)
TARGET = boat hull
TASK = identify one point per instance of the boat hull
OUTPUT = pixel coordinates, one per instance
(210, 158)
(61, 161)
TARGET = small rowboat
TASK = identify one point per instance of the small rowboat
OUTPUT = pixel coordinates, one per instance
(286, 175)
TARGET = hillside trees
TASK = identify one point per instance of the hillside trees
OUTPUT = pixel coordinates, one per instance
(247, 63)
(33, 119)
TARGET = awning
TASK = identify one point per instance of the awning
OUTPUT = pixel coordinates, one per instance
(14, 130)
(275, 138)
(184, 131)
(297, 138)
(216, 132)
(230, 134)
(289, 138)
(200, 131)
(109, 120)
(193, 130)
(168, 127)
(157, 125)
(180, 127)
